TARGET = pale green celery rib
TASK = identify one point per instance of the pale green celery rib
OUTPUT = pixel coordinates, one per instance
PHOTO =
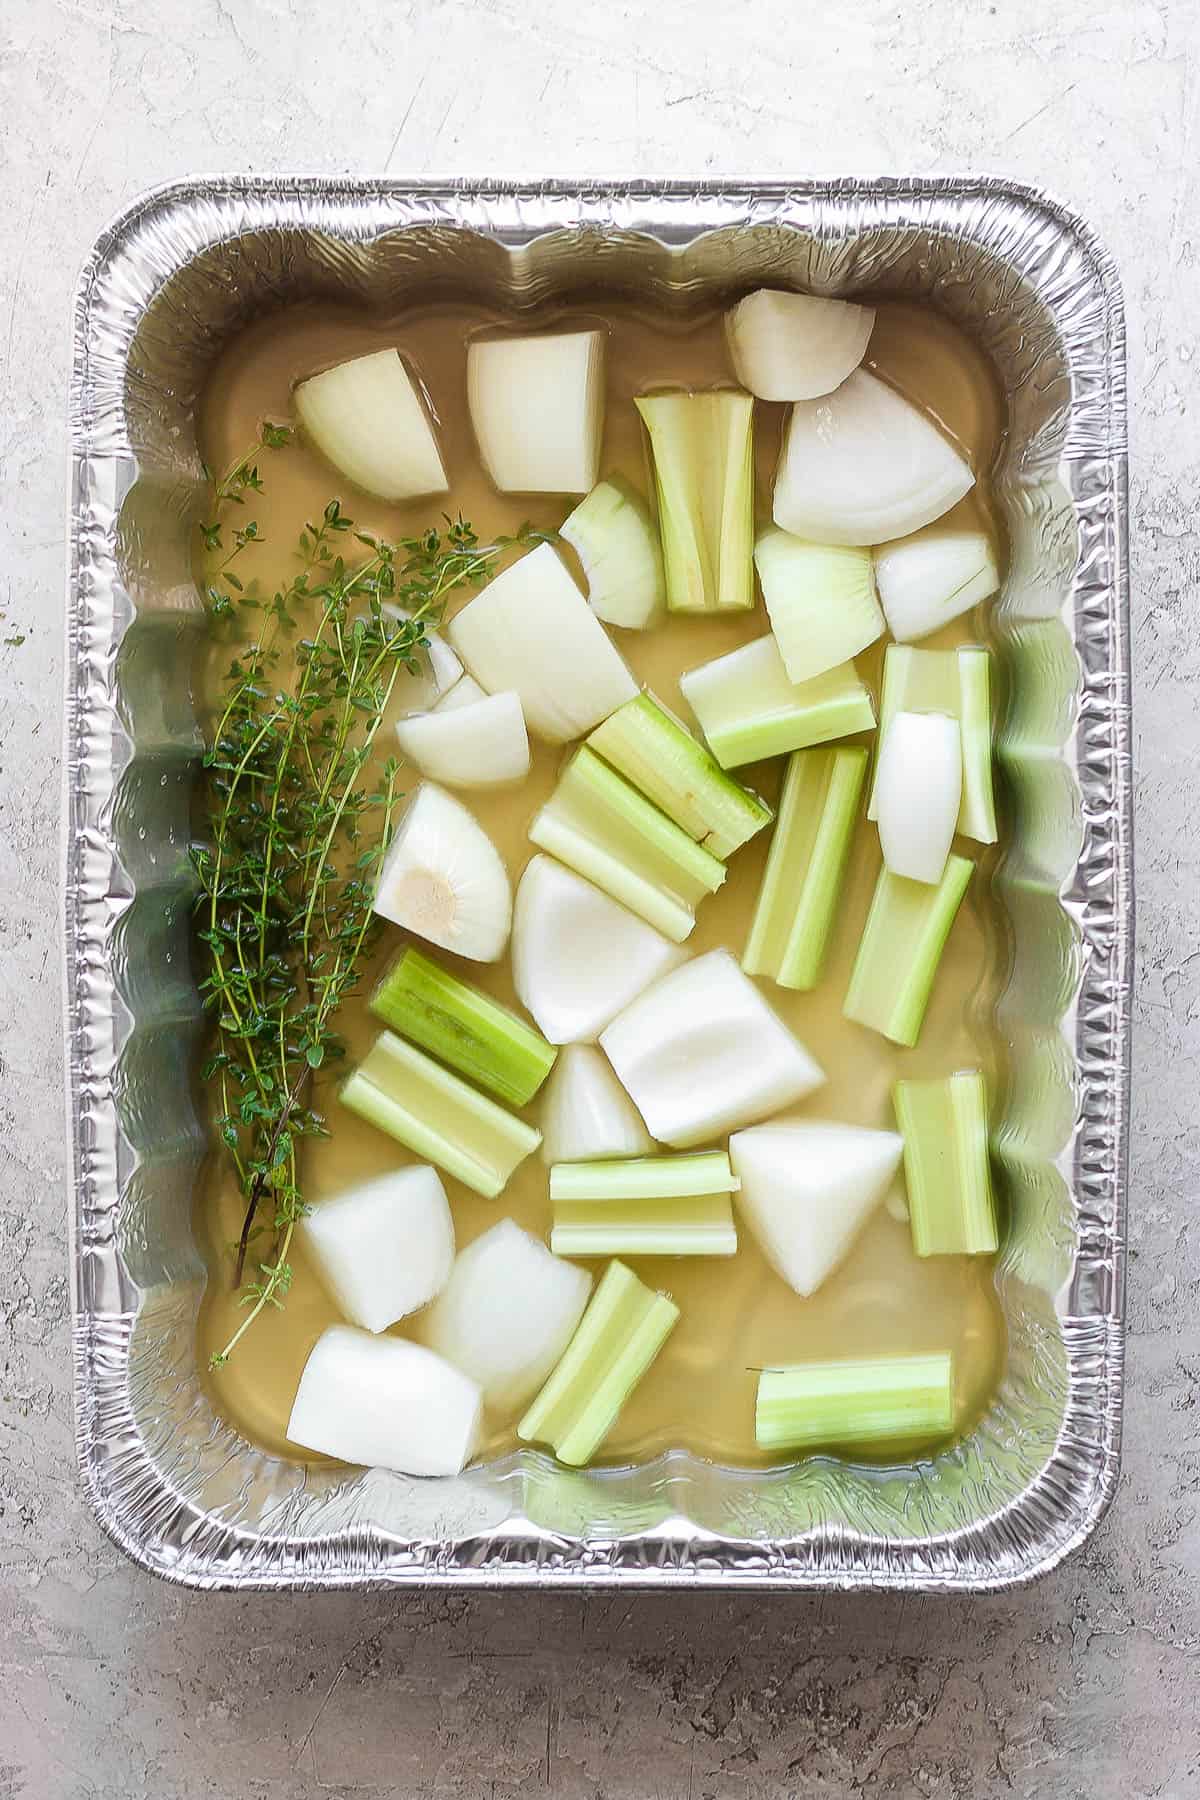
(946, 1170)
(748, 709)
(555, 835)
(702, 448)
(660, 756)
(977, 810)
(902, 943)
(958, 683)
(735, 588)
(806, 867)
(863, 1401)
(645, 1177)
(436, 1114)
(609, 833)
(463, 1026)
(620, 1334)
(695, 1225)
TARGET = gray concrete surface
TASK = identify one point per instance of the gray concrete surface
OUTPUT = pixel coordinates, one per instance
(112, 1687)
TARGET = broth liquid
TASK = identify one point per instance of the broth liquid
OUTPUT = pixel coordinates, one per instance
(737, 1316)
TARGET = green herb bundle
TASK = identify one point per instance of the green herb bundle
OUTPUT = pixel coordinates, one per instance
(298, 824)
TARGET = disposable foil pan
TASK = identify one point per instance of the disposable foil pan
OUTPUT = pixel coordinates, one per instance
(163, 291)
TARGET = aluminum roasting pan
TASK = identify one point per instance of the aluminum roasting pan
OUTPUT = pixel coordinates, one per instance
(163, 290)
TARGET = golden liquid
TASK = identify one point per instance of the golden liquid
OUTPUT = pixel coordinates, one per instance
(736, 1314)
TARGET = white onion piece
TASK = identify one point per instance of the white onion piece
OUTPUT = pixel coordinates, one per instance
(385, 1403)
(443, 878)
(464, 693)
(507, 1313)
(808, 1189)
(615, 539)
(586, 1113)
(917, 792)
(702, 1053)
(820, 599)
(438, 672)
(480, 746)
(531, 630)
(932, 577)
(796, 346)
(383, 1248)
(577, 956)
(537, 405)
(862, 465)
(367, 418)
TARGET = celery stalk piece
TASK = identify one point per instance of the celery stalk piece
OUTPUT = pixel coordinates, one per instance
(863, 1401)
(695, 1225)
(902, 943)
(957, 682)
(660, 756)
(462, 1026)
(645, 1178)
(702, 445)
(645, 1206)
(402, 1091)
(748, 709)
(977, 811)
(820, 601)
(606, 831)
(620, 1334)
(806, 866)
(945, 1129)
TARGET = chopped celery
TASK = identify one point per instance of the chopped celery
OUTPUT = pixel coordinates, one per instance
(606, 831)
(748, 708)
(402, 1091)
(806, 866)
(820, 601)
(689, 1225)
(645, 1205)
(864, 1401)
(660, 756)
(957, 682)
(620, 1334)
(463, 1027)
(902, 943)
(645, 1177)
(945, 1130)
(702, 446)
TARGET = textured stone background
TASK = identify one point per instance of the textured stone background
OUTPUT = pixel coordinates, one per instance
(112, 1687)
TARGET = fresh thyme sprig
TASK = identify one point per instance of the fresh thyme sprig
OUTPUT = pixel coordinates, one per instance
(298, 828)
